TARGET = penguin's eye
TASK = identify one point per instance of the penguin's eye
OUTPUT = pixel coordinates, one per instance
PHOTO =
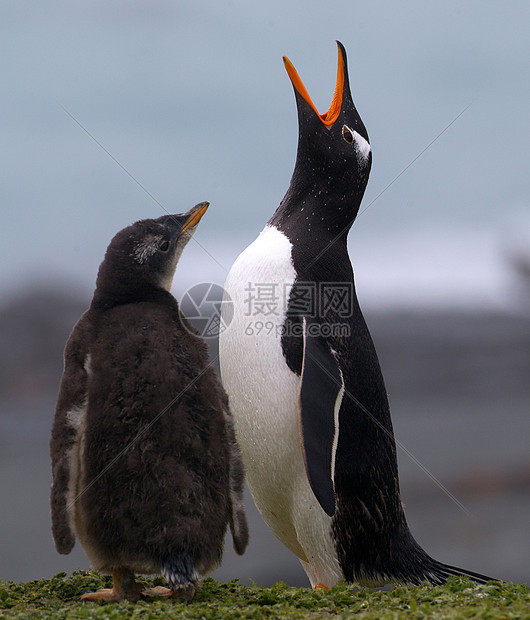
(347, 134)
(164, 246)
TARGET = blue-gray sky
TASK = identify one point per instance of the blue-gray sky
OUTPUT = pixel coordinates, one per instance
(193, 101)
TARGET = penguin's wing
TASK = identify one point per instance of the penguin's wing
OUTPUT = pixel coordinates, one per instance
(238, 519)
(321, 392)
(66, 429)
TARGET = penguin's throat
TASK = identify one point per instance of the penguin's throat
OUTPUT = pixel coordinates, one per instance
(321, 223)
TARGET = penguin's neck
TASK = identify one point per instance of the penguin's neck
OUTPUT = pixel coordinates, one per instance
(106, 297)
(316, 254)
(321, 213)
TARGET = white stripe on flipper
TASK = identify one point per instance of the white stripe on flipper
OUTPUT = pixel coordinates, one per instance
(336, 411)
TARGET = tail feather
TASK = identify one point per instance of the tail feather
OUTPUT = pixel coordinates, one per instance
(442, 572)
(417, 566)
(424, 568)
(411, 565)
(180, 570)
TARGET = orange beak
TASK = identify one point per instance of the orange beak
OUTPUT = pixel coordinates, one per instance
(194, 218)
(329, 117)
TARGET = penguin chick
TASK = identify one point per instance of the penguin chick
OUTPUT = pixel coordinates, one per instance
(146, 471)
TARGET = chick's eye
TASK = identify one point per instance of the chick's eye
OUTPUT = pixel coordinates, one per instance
(347, 134)
(164, 246)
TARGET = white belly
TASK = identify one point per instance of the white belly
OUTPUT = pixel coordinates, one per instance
(263, 395)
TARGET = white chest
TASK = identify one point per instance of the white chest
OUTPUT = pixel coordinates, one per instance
(262, 390)
(264, 394)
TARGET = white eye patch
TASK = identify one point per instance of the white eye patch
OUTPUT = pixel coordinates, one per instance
(146, 248)
(362, 146)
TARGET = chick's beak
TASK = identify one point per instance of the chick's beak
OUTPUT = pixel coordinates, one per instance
(194, 215)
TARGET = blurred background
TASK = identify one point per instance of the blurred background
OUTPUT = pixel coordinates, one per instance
(117, 111)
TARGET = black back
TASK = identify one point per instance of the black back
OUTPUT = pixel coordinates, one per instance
(157, 453)
(331, 172)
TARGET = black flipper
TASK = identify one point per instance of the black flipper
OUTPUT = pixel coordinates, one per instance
(320, 397)
(238, 519)
(64, 442)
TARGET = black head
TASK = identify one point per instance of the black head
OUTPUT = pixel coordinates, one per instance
(334, 156)
(143, 257)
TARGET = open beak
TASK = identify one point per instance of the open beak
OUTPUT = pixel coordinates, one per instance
(329, 117)
(194, 215)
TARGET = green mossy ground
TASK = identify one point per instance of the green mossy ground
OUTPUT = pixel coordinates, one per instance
(459, 598)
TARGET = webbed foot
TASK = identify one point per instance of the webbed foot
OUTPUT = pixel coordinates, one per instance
(183, 592)
(124, 588)
(320, 586)
(157, 591)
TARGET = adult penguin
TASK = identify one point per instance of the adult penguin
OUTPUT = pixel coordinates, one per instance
(302, 374)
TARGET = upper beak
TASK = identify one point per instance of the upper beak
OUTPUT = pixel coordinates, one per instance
(329, 117)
